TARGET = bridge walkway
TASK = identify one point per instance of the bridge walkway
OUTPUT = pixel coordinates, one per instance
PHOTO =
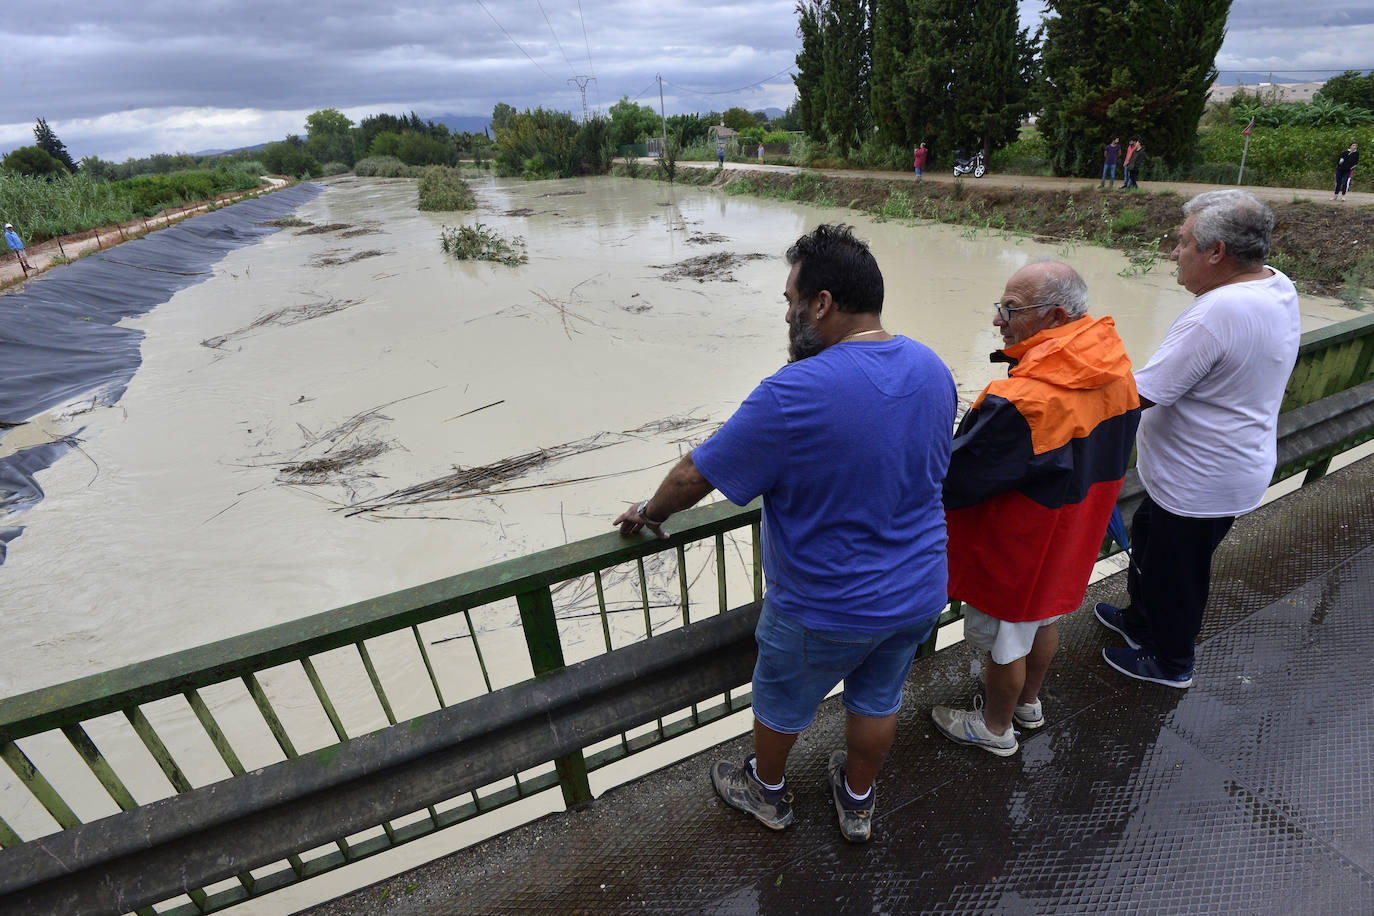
(1251, 792)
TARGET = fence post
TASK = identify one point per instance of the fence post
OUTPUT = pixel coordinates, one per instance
(546, 654)
(60, 248)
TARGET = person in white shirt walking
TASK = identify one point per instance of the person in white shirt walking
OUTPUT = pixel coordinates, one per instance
(1207, 442)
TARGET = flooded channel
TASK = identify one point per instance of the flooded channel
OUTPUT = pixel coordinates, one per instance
(192, 511)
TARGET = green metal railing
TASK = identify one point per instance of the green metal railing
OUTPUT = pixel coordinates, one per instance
(120, 740)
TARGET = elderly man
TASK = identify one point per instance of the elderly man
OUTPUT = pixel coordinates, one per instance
(848, 445)
(1207, 441)
(1036, 469)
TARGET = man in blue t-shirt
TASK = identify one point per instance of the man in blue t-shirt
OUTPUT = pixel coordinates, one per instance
(848, 445)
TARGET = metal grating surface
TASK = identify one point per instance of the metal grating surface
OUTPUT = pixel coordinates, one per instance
(1248, 793)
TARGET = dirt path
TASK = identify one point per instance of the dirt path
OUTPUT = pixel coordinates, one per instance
(1043, 183)
(58, 251)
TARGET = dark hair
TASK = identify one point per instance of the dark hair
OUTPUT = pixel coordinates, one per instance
(831, 258)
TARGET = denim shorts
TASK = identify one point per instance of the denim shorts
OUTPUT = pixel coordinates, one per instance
(798, 666)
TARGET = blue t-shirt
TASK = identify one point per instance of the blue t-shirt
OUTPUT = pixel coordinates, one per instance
(849, 450)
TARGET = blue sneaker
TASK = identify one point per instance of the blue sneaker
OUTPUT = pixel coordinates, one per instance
(1144, 665)
(1114, 618)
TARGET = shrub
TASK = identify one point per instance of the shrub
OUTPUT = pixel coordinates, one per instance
(385, 167)
(333, 168)
(1128, 219)
(480, 243)
(440, 188)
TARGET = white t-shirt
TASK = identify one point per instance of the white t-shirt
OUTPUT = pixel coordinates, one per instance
(1207, 447)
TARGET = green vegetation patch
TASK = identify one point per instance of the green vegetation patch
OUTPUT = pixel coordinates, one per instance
(482, 243)
(441, 189)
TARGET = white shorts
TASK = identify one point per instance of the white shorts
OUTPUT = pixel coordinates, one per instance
(1006, 641)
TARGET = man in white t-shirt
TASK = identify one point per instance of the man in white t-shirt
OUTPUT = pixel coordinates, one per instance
(1207, 441)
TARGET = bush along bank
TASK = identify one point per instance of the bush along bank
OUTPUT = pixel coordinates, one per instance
(1326, 253)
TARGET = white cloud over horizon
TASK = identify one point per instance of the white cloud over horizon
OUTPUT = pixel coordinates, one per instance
(119, 79)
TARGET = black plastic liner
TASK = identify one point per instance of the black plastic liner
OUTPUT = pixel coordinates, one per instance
(58, 340)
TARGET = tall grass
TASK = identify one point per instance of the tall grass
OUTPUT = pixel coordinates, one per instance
(441, 189)
(43, 209)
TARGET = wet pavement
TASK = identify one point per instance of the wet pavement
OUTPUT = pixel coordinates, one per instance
(1248, 793)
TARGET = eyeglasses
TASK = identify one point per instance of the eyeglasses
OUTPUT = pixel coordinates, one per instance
(1004, 311)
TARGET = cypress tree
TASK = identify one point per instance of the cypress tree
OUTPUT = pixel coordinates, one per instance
(891, 47)
(846, 72)
(1142, 69)
(811, 69)
(968, 77)
(48, 142)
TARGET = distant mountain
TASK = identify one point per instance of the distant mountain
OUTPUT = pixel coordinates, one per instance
(473, 124)
(237, 149)
(770, 113)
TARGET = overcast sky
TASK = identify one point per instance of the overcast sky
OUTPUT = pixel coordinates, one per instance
(121, 78)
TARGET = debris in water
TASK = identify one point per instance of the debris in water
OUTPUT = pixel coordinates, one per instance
(325, 227)
(522, 211)
(562, 193)
(361, 230)
(718, 266)
(293, 314)
(707, 238)
(287, 222)
(330, 261)
(479, 243)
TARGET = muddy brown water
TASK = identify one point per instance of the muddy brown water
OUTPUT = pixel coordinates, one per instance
(170, 527)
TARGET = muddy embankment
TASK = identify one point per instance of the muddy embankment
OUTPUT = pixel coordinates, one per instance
(1326, 250)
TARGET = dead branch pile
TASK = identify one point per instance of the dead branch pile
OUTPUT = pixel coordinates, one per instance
(362, 230)
(522, 211)
(562, 193)
(327, 469)
(490, 479)
(707, 238)
(325, 227)
(718, 266)
(331, 261)
(292, 314)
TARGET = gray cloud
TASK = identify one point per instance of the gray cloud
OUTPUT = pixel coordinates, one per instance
(119, 78)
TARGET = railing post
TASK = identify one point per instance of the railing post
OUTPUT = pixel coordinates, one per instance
(546, 654)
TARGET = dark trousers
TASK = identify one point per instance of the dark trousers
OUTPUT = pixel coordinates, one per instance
(1168, 580)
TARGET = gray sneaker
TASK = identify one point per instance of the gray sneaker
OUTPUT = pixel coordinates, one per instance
(966, 726)
(740, 788)
(1028, 715)
(856, 817)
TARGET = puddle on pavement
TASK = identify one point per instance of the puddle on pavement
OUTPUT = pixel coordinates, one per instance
(197, 516)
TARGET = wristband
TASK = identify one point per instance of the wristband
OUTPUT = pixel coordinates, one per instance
(639, 510)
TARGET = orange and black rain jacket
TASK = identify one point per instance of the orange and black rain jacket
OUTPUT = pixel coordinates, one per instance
(1036, 469)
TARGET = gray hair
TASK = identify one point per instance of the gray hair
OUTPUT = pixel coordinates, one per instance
(1239, 219)
(1061, 285)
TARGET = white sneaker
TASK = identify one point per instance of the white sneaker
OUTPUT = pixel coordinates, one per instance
(1028, 715)
(966, 726)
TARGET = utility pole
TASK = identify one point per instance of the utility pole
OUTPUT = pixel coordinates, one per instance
(581, 83)
(661, 115)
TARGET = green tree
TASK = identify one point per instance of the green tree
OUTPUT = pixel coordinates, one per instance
(631, 123)
(1351, 88)
(994, 79)
(290, 157)
(845, 79)
(810, 78)
(690, 129)
(892, 26)
(97, 168)
(328, 136)
(739, 118)
(501, 116)
(47, 141)
(1139, 70)
(33, 161)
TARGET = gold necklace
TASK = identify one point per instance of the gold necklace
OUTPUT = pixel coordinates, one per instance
(862, 334)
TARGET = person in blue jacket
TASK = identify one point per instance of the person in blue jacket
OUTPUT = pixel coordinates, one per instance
(16, 244)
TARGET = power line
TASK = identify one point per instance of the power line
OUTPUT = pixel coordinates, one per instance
(555, 38)
(514, 42)
(740, 89)
(585, 39)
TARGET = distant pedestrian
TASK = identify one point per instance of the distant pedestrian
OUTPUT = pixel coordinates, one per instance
(1109, 159)
(918, 160)
(720, 155)
(760, 151)
(1345, 167)
(1135, 157)
(16, 244)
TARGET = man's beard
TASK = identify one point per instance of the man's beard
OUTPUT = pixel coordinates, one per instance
(803, 340)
